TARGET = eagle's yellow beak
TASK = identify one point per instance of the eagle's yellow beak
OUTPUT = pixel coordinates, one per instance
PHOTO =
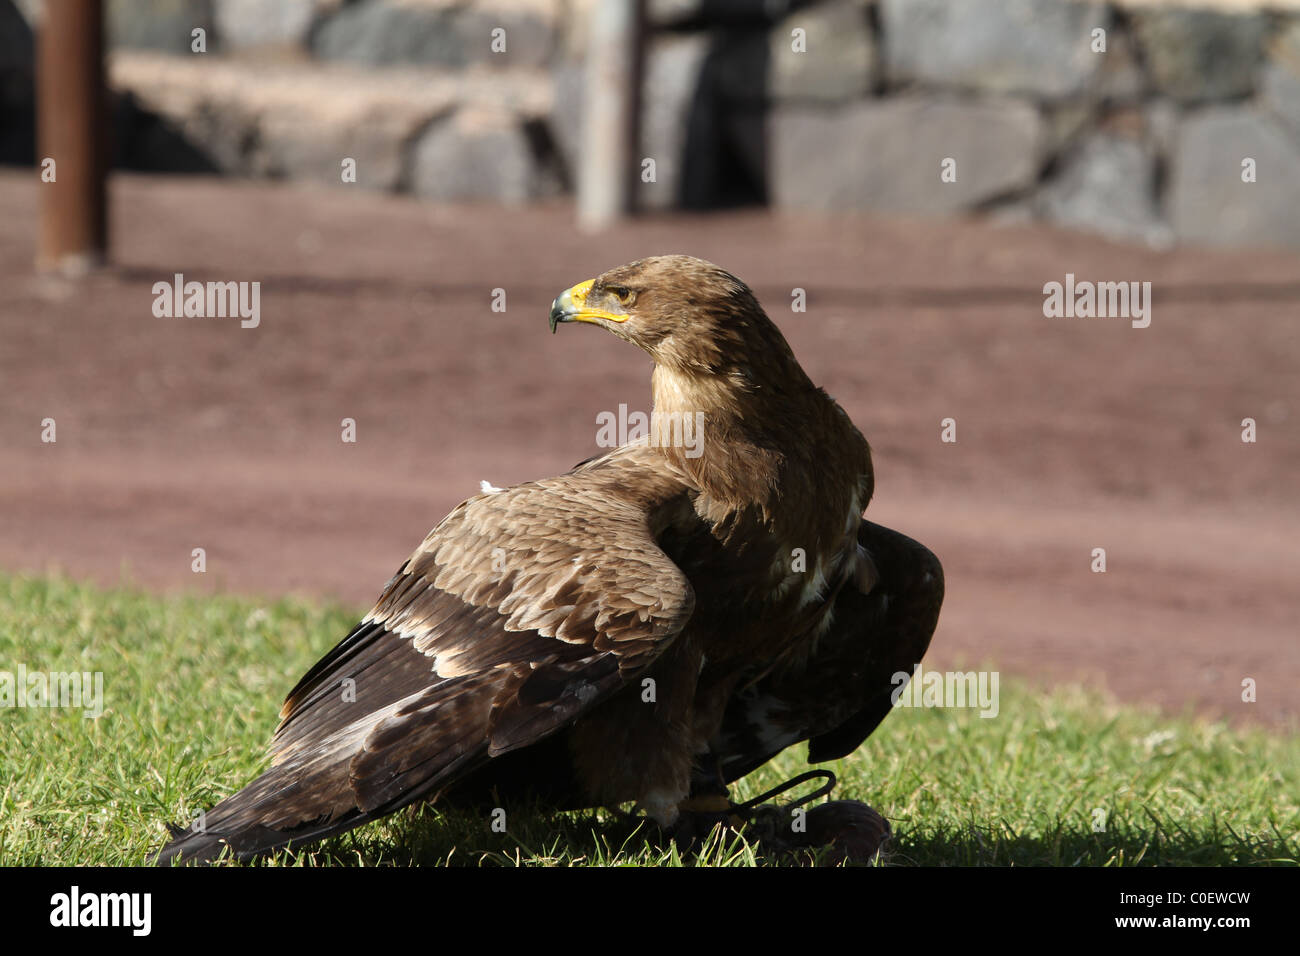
(571, 306)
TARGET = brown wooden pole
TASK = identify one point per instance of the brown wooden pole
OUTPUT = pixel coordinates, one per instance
(71, 130)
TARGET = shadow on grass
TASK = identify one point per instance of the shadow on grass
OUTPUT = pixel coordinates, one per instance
(532, 837)
(429, 837)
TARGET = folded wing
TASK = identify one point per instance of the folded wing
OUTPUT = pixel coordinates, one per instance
(522, 610)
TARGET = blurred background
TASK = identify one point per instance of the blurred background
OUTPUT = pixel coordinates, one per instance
(1111, 118)
(412, 181)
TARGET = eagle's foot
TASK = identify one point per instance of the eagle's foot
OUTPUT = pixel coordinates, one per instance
(851, 831)
(697, 817)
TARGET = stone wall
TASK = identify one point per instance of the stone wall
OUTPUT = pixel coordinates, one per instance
(1140, 121)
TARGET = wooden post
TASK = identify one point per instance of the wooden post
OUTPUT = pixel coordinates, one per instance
(608, 163)
(71, 130)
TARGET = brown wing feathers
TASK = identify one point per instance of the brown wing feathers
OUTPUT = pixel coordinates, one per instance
(837, 701)
(523, 609)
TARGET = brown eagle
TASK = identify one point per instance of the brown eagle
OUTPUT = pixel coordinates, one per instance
(649, 627)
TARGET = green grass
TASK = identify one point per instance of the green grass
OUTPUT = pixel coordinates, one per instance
(192, 688)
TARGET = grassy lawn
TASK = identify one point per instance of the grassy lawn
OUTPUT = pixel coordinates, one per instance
(192, 687)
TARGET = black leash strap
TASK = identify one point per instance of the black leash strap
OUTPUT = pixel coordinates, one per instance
(822, 791)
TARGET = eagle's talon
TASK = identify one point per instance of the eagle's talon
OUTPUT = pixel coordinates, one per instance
(852, 831)
(849, 830)
(693, 827)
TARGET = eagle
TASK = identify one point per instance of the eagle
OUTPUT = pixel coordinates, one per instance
(647, 628)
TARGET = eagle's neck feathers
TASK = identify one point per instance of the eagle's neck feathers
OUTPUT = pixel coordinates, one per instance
(783, 459)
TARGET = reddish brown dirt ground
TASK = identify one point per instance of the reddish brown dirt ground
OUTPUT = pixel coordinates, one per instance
(1073, 434)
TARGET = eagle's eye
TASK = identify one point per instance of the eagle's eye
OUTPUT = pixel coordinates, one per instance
(624, 295)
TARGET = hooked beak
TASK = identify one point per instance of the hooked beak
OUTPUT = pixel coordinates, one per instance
(571, 306)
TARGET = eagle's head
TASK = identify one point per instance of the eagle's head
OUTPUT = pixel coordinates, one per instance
(721, 363)
(692, 316)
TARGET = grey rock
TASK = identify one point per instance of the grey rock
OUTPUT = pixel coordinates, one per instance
(565, 121)
(1121, 78)
(887, 155)
(249, 24)
(476, 155)
(839, 61)
(186, 113)
(670, 13)
(1281, 79)
(209, 137)
(1067, 123)
(377, 33)
(672, 78)
(1286, 43)
(1106, 186)
(164, 25)
(1041, 47)
(1195, 55)
(303, 147)
(301, 119)
(380, 33)
(718, 13)
(1208, 202)
(1281, 94)
(529, 38)
(1162, 118)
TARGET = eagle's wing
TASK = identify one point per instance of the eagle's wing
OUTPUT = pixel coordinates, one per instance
(846, 689)
(520, 611)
